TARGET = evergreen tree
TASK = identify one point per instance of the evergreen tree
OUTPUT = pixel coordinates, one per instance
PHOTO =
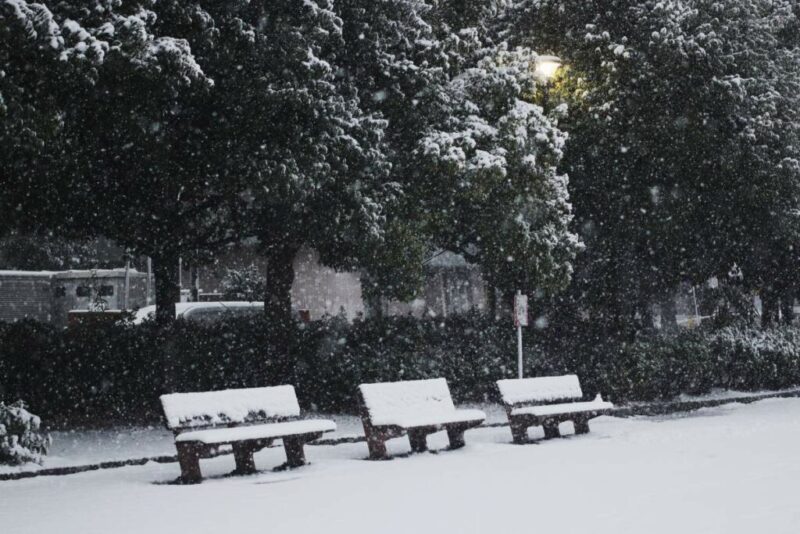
(681, 131)
(133, 149)
(43, 59)
(283, 129)
(487, 166)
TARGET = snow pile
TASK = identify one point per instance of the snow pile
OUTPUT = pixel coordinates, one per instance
(413, 403)
(21, 440)
(540, 389)
(229, 406)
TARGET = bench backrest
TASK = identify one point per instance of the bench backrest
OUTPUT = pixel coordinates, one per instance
(540, 390)
(229, 407)
(387, 401)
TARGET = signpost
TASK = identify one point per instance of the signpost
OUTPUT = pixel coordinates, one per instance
(520, 320)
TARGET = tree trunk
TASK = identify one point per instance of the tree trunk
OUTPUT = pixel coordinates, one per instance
(280, 276)
(491, 298)
(787, 308)
(168, 291)
(769, 307)
(646, 315)
(669, 313)
(195, 289)
(373, 306)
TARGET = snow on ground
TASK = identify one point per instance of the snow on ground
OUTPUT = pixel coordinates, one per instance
(83, 447)
(729, 470)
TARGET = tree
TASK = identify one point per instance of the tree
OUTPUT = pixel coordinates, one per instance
(675, 107)
(397, 65)
(487, 166)
(285, 132)
(135, 149)
(498, 196)
(243, 284)
(45, 251)
(43, 59)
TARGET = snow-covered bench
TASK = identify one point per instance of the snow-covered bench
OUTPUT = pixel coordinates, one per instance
(540, 401)
(418, 407)
(247, 419)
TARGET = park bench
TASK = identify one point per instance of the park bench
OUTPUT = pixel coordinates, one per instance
(540, 401)
(246, 419)
(418, 408)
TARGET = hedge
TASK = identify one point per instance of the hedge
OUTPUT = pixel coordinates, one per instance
(114, 373)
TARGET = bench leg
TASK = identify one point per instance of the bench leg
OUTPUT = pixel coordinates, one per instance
(581, 426)
(295, 456)
(377, 447)
(418, 440)
(519, 433)
(189, 460)
(551, 430)
(456, 437)
(243, 455)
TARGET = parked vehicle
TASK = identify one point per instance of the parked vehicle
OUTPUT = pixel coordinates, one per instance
(203, 311)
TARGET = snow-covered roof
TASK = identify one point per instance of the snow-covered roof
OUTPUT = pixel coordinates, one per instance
(72, 273)
(540, 389)
(209, 408)
(445, 258)
(15, 274)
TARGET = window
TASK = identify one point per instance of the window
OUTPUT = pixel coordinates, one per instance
(106, 291)
(83, 291)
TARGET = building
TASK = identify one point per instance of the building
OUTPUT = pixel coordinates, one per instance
(48, 296)
(452, 285)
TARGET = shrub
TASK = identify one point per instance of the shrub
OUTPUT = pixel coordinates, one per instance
(21, 440)
(107, 373)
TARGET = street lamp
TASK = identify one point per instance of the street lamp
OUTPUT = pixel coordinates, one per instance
(546, 67)
(544, 71)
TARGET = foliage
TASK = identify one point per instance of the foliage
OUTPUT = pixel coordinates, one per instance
(683, 142)
(114, 373)
(244, 284)
(21, 440)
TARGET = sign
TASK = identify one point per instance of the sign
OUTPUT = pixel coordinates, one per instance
(520, 310)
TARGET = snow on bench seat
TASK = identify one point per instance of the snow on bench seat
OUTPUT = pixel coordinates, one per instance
(457, 416)
(216, 436)
(540, 389)
(535, 401)
(597, 404)
(209, 408)
(392, 403)
(418, 407)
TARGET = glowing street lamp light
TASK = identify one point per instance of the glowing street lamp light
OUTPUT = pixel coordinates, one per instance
(546, 68)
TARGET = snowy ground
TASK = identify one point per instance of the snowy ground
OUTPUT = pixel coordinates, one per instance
(82, 447)
(732, 469)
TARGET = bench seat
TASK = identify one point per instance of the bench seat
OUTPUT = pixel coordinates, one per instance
(415, 407)
(437, 420)
(563, 409)
(219, 436)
